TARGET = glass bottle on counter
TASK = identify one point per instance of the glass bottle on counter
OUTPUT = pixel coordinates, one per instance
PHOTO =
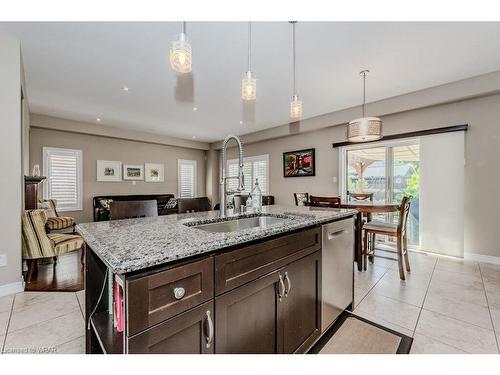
(256, 196)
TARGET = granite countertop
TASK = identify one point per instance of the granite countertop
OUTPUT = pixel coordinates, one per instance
(134, 244)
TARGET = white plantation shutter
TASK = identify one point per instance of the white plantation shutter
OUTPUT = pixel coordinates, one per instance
(63, 169)
(253, 167)
(186, 176)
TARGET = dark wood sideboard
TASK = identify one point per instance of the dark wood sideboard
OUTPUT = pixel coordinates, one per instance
(31, 190)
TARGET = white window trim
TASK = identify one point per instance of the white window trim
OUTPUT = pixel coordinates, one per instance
(195, 182)
(45, 153)
(252, 159)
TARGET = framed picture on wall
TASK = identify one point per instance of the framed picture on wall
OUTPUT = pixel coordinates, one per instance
(299, 163)
(154, 172)
(133, 172)
(109, 171)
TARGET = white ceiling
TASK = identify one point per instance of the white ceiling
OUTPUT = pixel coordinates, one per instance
(76, 70)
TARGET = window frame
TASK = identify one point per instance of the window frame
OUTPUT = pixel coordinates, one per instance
(195, 176)
(252, 159)
(46, 152)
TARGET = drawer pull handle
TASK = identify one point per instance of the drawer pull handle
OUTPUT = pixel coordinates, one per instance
(281, 288)
(288, 284)
(210, 335)
(179, 293)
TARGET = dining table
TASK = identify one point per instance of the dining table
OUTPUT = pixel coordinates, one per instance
(365, 207)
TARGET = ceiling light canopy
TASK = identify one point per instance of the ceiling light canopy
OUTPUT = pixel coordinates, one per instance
(180, 53)
(295, 103)
(364, 129)
(249, 82)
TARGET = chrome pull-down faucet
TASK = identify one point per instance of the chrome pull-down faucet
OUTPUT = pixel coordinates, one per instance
(241, 178)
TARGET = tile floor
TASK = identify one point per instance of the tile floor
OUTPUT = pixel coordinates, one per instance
(446, 305)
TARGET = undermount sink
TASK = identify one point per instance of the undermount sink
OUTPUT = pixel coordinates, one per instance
(240, 224)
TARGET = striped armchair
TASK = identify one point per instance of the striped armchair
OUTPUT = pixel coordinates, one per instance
(54, 221)
(37, 243)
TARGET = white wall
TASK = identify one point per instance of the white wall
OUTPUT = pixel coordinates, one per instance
(11, 184)
(442, 193)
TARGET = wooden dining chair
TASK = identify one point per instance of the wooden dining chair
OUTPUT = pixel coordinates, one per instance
(301, 199)
(332, 202)
(394, 230)
(361, 197)
(132, 209)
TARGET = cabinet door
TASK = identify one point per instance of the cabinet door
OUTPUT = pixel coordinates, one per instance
(248, 318)
(189, 333)
(302, 303)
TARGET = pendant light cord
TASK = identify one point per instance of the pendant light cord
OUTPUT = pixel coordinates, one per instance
(249, 45)
(183, 27)
(364, 92)
(294, 72)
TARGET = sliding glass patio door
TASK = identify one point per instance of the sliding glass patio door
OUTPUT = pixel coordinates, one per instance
(389, 171)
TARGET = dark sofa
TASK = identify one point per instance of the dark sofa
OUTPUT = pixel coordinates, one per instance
(101, 204)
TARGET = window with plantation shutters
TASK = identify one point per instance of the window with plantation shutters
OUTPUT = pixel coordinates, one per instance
(186, 177)
(63, 169)
(253, 167)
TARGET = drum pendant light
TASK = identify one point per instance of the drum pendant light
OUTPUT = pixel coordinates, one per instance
(364, 129)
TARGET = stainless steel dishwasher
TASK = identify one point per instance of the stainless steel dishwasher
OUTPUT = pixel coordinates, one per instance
(337, 286)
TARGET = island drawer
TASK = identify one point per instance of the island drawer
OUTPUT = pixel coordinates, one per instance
(238, 267)
(154, 298)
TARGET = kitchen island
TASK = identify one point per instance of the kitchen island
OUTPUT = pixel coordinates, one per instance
(201, 283)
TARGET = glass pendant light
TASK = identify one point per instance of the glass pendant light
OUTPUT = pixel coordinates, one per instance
(295, 103)
(249, 82)
(364, 129)
(180, 53)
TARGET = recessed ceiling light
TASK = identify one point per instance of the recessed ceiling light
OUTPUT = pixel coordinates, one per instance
(194, 136)
(125, 88)
(241, 122)
(195, 109)
(98, 119)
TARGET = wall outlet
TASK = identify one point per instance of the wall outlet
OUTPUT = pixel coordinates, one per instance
(334, 179)
(3, 260)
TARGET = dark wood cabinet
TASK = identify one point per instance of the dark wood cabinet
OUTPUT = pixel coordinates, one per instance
(191, 332)
(248, 318)
(277, 313)
(259, 299)
(31, 191)
(302, 304)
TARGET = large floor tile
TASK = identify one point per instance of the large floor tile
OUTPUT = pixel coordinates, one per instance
(4, 321)
(47, 335)
(461, 335)
(393, 311)
(457, 265)
(459, 287)
(29, 299)
(76, 346)
(407, 294)
(426, 345)
(36, 310)
(6, 303)
(490, 273)
(384, 323)
(359, 294)
(495, 317)
(467, 312)
(367, 279)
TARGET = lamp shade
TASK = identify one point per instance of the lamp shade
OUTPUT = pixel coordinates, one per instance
(295, 107)
(364, 129)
